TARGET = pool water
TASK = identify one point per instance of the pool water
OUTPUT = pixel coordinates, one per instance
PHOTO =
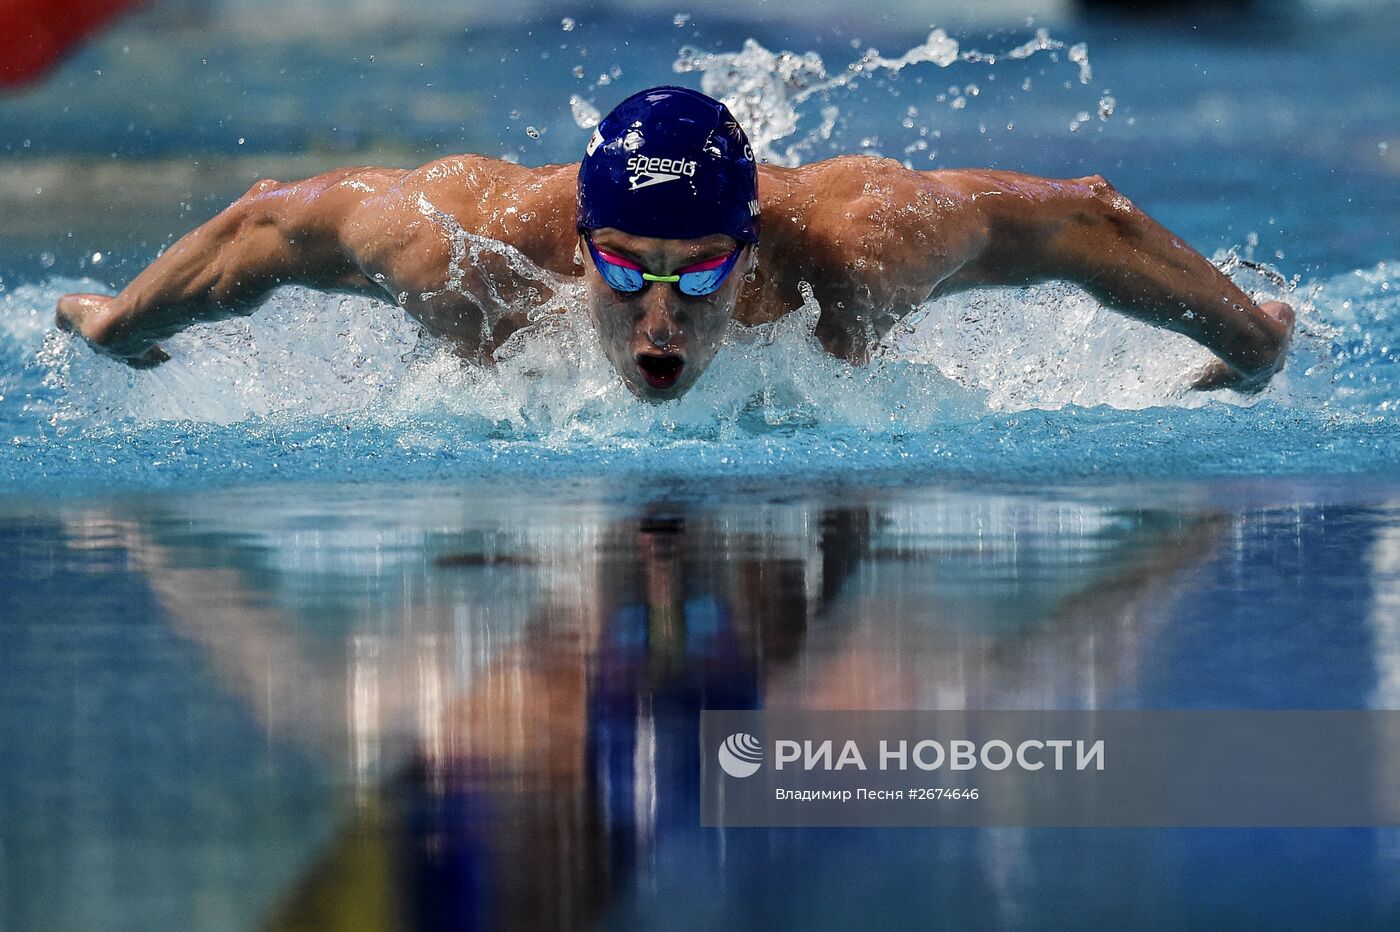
(316, 626)
(435, 705)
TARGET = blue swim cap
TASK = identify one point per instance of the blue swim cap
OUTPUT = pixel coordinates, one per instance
(671, 163)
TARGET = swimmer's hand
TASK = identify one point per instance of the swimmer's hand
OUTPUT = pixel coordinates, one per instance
(1218, 374)
(92, 317)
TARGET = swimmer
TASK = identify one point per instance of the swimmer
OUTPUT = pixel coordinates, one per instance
(661, 219)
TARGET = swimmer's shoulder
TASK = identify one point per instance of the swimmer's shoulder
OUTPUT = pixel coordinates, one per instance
(818, 211)
(529, 208)
(474, 177)
(841, 176)
(863, 231)
(840, 208)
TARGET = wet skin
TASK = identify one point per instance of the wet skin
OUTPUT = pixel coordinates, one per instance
(872, 239)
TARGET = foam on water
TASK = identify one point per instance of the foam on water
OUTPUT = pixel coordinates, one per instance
(1013, 383)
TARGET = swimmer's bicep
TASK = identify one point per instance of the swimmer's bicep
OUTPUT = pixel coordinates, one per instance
(313, 230)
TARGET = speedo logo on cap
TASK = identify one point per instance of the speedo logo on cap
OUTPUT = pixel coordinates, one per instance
(649, 171)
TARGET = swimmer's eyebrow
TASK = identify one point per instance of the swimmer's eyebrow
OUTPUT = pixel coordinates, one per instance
(620, 251)
(705, 265)
(705, 255)
(718, 252)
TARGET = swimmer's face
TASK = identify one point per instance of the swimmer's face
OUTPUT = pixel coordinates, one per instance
(659, 339)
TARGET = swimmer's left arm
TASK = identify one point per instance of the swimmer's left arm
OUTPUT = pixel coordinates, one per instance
(1024, 229)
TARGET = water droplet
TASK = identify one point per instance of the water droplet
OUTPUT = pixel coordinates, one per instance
(586, 116)
(567, 24)
(96, 258)
(1106, 105)
(47, 259)
(241, 140)
(578, 71)
(1079, 54)
(680, 19)
(532, 132)
(959, 102)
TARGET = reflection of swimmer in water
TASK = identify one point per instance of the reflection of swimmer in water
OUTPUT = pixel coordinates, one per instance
(538, 776)
(661, 220)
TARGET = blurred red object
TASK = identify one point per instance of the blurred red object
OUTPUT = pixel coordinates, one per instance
(35, 34)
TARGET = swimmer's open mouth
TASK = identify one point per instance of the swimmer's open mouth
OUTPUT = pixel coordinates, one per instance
(660, 371)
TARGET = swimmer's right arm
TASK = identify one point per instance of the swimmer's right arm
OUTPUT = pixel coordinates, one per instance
(273, 235)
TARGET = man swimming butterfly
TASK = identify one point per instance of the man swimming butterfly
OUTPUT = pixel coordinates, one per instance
(662, 221)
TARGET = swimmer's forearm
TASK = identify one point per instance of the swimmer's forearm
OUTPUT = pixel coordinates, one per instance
(1135, 265)
(1085, 232)
(224, 268)
(208, 275)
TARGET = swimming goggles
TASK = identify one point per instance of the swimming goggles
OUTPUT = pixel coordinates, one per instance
(700, 279)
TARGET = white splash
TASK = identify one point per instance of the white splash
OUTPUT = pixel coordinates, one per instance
(764, 89)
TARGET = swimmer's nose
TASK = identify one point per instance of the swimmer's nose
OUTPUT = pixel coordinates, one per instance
(659, 336)
(657, 325)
